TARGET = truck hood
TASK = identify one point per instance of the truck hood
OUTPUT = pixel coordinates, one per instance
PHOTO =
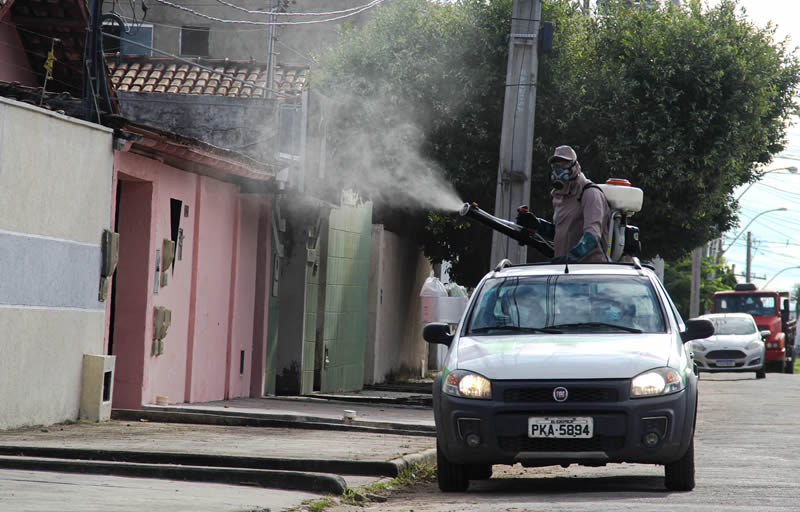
(564, 356)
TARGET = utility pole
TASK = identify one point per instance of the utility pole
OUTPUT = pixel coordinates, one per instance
(271, 51)
(747, 268)
(694, 295)
(516, 140)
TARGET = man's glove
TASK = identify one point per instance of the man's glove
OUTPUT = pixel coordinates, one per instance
(581, 249)
(526, 219)
(530, 221)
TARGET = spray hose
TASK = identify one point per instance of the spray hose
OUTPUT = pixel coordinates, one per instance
(512, 230)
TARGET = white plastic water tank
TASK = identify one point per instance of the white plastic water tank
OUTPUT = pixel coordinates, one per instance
(621, 196)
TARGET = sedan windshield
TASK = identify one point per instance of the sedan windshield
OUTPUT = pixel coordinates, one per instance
(566, 304)
(733, 325)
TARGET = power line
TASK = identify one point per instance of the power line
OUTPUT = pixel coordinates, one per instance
(278, 13)
(370, 5)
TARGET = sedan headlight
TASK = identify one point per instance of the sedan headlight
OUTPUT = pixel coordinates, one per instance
(753, 345)
(657, 382)
(698, 346)
(467, 385)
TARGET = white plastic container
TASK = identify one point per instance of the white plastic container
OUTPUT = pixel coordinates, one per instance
(623, 197)
(443, 309)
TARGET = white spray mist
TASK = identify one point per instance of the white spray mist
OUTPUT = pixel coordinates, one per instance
(384, 161)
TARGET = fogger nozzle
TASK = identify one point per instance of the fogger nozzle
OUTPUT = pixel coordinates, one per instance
(466, 207)
(522, 235)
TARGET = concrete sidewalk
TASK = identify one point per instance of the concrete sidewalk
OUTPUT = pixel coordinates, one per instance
(305, 445)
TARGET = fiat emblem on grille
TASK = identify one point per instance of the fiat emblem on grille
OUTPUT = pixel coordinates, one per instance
(560, 394)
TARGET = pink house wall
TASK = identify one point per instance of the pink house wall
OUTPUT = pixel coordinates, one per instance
(241, 339)
(133, 300)
(15, 66)
(217, 205)
(212, 290)
(167, 372)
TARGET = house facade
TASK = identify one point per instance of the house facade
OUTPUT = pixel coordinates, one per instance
(179, 312)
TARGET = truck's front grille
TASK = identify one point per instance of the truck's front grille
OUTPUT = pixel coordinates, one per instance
(528, 444)
(545, 394)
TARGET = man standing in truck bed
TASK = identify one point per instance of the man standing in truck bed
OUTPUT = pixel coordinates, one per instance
(580, 213)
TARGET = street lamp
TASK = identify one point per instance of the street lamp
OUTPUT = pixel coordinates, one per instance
(764, 287)
(792, 169)
(748, 225)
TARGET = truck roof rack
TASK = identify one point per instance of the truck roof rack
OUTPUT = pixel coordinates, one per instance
(744, 287)
(505, 262)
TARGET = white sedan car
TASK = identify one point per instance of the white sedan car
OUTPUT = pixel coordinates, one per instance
(736, 346)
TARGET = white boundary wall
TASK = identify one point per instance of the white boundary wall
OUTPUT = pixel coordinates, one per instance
(55, 200)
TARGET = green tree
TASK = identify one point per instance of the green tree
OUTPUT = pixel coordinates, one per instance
(678, 281)
(686, 103)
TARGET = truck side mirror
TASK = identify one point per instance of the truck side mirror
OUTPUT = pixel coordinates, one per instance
(437, 333)
(764, 334)
(697, 328)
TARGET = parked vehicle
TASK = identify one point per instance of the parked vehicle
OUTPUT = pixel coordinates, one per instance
(558, 365)
(736, 346)
(770, 309)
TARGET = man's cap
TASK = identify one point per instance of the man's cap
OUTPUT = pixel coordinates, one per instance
(563, 153)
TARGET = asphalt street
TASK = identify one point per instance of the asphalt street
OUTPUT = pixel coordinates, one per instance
(746, 455)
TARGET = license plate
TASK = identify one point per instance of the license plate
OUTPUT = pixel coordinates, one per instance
(726, 363)
(561, 427)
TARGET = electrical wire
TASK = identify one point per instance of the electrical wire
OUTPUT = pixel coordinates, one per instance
(278, 13)
(370, 5)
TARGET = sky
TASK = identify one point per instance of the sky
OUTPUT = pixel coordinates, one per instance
(777, 238)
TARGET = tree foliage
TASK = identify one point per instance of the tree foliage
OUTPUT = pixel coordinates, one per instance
(678, 282)
(686, 103)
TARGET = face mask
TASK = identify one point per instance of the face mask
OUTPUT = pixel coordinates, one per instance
(560, 175)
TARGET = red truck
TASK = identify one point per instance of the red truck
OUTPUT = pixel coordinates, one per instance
(770, 309)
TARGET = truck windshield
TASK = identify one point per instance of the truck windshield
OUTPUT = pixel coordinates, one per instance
(566, 303)
(757, 304)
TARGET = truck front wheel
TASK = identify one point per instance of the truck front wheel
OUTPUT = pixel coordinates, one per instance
(788, 366)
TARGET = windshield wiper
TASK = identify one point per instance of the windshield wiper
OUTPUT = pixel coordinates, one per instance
(513, 328)
(596, 324)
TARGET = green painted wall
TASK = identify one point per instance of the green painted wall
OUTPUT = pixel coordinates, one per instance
(345, 329)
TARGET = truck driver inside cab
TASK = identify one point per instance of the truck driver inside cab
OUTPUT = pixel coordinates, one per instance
(579, 230)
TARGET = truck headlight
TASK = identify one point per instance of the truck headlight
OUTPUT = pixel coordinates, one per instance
(657, 382)
(467, 385)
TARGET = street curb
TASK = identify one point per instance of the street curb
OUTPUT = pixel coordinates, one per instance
(293, 417)
(321, 483)
(256, 420)
(419, 401)
(427, 457)
(336, 466)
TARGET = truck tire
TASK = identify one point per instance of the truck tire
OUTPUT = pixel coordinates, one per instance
(451, 477)
(788, 366)
(762, 373)
(679, 475)
(480, 471)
